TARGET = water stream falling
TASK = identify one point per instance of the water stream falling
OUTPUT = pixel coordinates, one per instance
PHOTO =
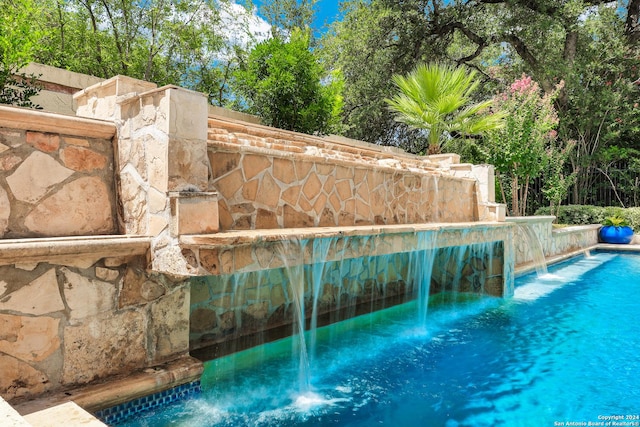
(324, 277)
(535, 247)
(310, 283)
(420, 267)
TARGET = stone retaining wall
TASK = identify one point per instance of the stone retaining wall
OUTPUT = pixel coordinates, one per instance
(72, 322)
(56, 175)
(552, 242)
(268, 178)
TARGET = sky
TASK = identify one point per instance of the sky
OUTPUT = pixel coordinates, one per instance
(326, 12)
(237, 23)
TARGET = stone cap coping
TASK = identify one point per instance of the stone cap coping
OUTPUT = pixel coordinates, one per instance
(52, 249)
(576, 229)
(358, 143)
(623, 248)
(10, 417)
(528, 267)
(27, 119)
(195, 194)
(530, 219)
(305, 143)
(129, 97)
(233, 238)
(232, 114)
(343, 158)
(121, 389)
(118, 84)
(60, 77)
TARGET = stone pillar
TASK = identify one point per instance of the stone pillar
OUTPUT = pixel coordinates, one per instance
(485, 176)
(162, 149)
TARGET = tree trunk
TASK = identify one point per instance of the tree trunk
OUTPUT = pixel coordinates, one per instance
(631, 25)
(514, 196)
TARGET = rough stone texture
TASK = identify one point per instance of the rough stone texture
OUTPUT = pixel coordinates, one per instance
(11, 137)
(195, 213)
(20, 379)
(39, 297)
(82, 159)
(113, 342)
(7, 163)
(169, 317)
(86, 297)
(73, 332)
(202, 320)
(326, 185)
(342, 271)
(30, 339)
(542, 239)
(107, 274)
(52, 184)
(91, 215)
(5, 211)
(131, 288)
(29, 183)
(47, 142)
(133, 201)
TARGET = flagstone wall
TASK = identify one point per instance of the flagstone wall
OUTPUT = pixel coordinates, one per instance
(56, 175)
(269, 178)
(73, 311)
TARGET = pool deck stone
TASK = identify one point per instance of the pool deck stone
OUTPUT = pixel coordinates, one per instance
(9, 417)
(69, 414)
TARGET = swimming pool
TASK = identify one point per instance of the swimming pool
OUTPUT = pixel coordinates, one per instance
(564, 349)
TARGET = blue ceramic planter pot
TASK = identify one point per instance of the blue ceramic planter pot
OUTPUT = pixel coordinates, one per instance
(619, 235)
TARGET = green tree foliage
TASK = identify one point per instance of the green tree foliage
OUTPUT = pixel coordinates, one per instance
(438, 98)
(19, 37)
(591, 45)
(284, 83)
(163, 41)
(285, 16)
(601, 111)
(374, 41)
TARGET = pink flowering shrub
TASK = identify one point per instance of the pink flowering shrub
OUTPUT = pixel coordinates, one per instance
(521, 150)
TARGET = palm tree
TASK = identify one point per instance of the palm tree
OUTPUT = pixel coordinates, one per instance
(435, 97)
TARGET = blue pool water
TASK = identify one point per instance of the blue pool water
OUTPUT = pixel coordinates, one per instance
(565, 349)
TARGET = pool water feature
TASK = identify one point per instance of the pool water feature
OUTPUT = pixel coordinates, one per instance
(564, 348)
(304, 283)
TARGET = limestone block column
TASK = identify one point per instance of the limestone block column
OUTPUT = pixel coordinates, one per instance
(161, 149)
(488, 209)
(100, 101)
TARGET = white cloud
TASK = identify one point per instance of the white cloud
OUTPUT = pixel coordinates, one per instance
(241, 27)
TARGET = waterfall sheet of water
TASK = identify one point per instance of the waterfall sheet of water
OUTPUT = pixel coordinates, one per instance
(332, 278)
(535, 247)
(316, 282)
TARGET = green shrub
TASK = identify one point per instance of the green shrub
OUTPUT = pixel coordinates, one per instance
(586, 214)
(632, 215)
(576, 214)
